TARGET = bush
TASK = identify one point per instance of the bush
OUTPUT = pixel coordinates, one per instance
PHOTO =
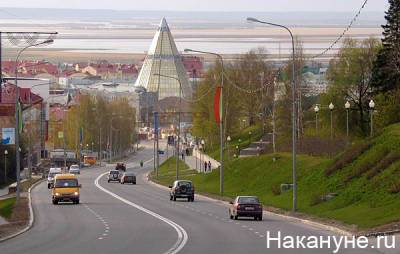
(384, 164)
(276, 190)
(347, 157)
(316, 199)
(395, 188)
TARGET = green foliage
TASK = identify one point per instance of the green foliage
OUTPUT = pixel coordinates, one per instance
(388, 107)
(386, 74)
(94, 116)
(249, 72)
(350, 79)
(6, 207)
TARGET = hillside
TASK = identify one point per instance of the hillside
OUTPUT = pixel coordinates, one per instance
(363, 182)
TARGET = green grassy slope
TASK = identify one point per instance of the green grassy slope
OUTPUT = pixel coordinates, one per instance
(365, 178)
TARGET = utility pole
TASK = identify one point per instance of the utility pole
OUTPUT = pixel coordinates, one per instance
(221, 122)
(294, 108)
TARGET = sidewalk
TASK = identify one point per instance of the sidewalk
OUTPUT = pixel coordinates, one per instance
(196, 161)
(4, 191)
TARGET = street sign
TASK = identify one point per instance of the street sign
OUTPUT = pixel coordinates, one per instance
(8, 136)
(60, 135)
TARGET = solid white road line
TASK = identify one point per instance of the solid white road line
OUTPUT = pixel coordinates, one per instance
(182, 235)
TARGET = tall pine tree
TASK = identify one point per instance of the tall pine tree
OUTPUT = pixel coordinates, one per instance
(386, 72)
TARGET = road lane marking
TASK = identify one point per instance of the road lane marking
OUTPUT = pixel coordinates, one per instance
(182, 235)
(106, 230)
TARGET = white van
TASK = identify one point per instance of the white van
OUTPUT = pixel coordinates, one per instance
(50, 176)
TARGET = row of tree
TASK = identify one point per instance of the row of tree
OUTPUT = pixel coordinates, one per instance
(97, 123)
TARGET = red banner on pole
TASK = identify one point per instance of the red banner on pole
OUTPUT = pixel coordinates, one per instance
(217, 105)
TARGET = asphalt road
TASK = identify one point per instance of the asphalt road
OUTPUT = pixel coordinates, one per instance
(115, 218)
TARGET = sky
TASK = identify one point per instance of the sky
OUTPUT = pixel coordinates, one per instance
(205, 5)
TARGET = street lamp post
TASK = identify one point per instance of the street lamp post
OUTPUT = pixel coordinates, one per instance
(229, 140)
(293, 108)
(17, 120)
(221, 122)
(249, 138)
(316, 110)
(347, 106)
(203, 146)
(5, 165)
(111, 121)
(179, 120)
(372, 107)
(331, 107)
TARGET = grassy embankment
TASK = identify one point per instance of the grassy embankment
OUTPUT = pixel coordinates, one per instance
(365, 179)
(6, 207)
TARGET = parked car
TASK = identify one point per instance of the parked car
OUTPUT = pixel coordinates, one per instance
(65, 189)
(74, 169)
(246, 206)
(50, 177)
(182, 189)
(114, 176)
(120, 166)
(128, 177)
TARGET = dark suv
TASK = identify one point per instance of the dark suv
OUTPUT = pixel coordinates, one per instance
(182, 189)
(120, 166)
(114, 176)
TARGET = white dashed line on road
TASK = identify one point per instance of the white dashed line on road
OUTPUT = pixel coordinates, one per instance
(102, 220)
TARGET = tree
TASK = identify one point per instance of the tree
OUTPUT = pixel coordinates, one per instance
(350, 77)
(248, 73)
(94, 117)
(386, 73)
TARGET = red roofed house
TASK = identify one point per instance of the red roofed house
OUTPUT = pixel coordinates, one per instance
(33, 117)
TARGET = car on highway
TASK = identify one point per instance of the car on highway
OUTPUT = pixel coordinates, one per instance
(74, 169)
(65, 189)
(114, 176)
(246, 206)
(128, 177)
(50, 177)
(182, 189)
(120, 166)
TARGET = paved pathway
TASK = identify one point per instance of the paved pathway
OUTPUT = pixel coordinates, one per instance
(196, 161)
(4, 191)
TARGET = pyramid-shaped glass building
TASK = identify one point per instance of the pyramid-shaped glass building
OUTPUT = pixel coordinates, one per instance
(163, 58)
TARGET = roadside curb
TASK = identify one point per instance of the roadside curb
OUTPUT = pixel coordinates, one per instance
(286, 217)
(31, 215)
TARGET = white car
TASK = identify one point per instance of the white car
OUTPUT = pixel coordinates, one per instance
(74, 169)
(51, 175)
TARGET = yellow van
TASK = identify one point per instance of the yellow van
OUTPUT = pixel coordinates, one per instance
(89, 160)
(65, 189)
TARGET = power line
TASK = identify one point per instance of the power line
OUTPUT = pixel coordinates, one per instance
(202, 96)
(344, 31)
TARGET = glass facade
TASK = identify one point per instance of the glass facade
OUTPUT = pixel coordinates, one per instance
(163, 58)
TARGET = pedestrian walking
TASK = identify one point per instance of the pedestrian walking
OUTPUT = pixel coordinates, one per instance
(183, 155)
(209, 165)
(205, 166)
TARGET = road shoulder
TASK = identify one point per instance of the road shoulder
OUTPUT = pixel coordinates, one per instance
(12, 230)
